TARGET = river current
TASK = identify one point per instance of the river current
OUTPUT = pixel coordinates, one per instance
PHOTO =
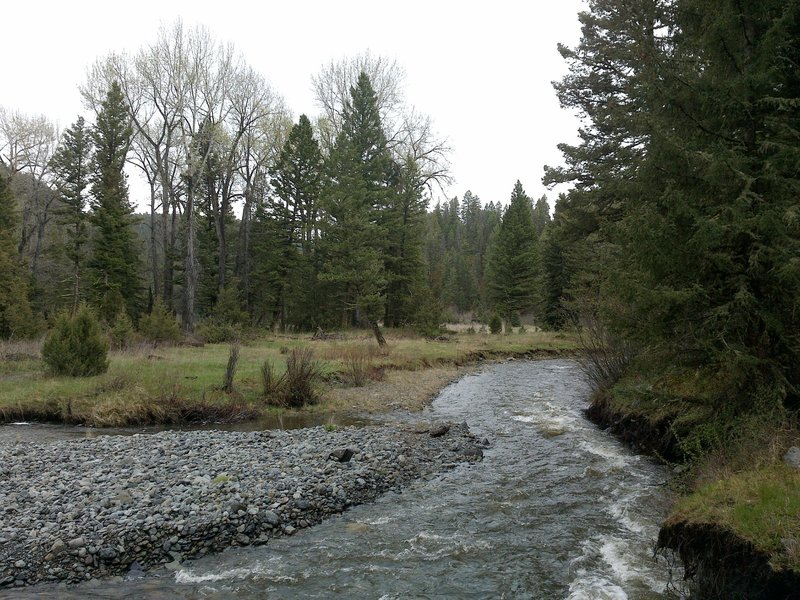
(557, 509)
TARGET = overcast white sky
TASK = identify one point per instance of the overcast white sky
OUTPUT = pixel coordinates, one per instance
(481, 70)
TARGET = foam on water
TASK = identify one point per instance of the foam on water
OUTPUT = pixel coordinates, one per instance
(593, 587)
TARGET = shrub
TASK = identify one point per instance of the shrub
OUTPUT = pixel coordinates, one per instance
(76, 346)
(302, 375)
(297, 386)
(216, 332)
(515, 320)
(495, 325)
(356, 366)
(604, 356)
(230, 371)
(226, 321)
(271, 384)
(160, 326)
(228, 308)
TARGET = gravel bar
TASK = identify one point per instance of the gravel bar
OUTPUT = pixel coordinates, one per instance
(76, 510)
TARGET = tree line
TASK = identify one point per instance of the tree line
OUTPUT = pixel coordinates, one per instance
(253, 219)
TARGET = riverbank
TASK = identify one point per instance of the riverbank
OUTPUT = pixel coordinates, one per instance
(78, 510)
(182, 385)
(736, 526)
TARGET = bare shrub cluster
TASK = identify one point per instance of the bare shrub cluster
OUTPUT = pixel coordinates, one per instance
(297, 386)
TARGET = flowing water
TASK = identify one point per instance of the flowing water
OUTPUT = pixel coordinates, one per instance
(557, 509)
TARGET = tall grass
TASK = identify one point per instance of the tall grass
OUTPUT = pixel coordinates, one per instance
(297, 386)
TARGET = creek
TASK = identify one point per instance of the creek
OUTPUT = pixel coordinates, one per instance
(557, 509)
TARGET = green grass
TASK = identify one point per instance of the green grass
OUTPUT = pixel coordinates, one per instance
(170, 384)
(761, 506)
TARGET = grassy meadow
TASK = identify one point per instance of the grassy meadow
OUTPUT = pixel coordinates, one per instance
(183, 384)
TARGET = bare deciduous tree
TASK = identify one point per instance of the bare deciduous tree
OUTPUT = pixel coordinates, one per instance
(27, 143)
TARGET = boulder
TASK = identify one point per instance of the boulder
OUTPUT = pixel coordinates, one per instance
(792, 457)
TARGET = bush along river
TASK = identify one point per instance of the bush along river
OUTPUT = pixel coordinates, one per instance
(556, 508)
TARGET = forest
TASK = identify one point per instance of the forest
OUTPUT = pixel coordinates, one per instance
(254, 221)
(675, 254)
(675, 251)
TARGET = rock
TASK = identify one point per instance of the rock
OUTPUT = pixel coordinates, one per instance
(135, 571)
(439, 430)
(271, 518)
(76, 543)
(342, 455)
(20, 564)
(472, 452)
(792, 458)
(148, 499)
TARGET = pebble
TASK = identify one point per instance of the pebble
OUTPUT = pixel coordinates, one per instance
(101, 507)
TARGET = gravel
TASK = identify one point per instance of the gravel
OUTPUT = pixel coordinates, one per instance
(77, 510)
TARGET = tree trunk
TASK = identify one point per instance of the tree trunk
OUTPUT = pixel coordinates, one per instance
(376, 331)
(153, 252)
(242, 264)
(190, 275)
(166, 244)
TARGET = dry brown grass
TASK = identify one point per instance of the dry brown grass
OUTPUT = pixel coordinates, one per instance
(409, 390)
(19, 350)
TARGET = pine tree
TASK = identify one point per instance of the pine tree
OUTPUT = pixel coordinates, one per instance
(359, 170)
(288, 226)
(514, 260)
(114, 262)
(555, 273)
(540, 212)
(711, 272)
(72, 168)
(403, 221)
(686, 188)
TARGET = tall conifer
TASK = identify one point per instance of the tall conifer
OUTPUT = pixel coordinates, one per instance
(514, 259)
(114, 263)
(72, 168)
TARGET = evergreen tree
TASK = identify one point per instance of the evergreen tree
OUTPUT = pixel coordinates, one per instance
(16, 316)
(514, 261)
(288, 226)
(403, 222)
(686, 189)
(709, 273)
(554, 274)
(356, 192)
(72, 168)
(114, 262)
(540, 212)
